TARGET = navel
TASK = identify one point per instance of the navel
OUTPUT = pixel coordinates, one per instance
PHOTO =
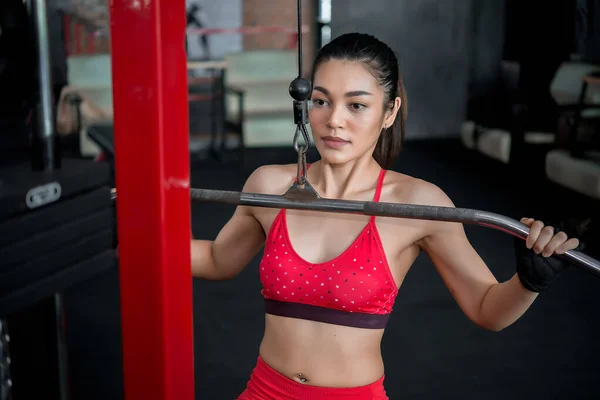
(301, 378)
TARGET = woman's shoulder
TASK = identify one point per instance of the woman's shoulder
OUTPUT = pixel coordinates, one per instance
(402, 188)
(397, 187)
(271, 179)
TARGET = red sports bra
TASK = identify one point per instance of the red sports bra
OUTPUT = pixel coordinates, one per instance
(355, 288)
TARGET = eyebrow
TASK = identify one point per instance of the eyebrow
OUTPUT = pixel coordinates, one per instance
(348, 94)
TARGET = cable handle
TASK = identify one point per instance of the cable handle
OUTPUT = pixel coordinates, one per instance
(300, 90)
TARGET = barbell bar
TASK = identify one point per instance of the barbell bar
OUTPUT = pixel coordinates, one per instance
(383, 209)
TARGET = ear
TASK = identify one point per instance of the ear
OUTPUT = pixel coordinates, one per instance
(391, 113)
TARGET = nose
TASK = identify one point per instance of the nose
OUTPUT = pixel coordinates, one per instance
(336, 118)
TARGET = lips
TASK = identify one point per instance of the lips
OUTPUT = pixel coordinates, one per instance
(334, 142)
(334, 139)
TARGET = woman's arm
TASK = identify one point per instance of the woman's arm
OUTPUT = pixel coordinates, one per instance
(486, 302)
(237, 243)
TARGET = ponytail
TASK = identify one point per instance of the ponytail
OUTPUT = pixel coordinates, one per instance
(391, 139)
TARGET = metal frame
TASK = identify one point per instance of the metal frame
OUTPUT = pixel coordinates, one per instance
(151, 137)
(44, 117)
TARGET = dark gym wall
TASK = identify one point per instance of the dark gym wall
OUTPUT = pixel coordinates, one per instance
(445, 48)
(487, 41)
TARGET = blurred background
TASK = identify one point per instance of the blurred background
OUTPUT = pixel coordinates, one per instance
(503, 115)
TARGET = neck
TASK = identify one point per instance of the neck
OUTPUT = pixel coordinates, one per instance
(336, 181)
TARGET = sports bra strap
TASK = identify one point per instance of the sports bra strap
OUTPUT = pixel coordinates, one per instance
(379, 185)
(378, 191)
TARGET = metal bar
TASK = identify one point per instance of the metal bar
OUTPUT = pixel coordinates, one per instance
(45, 107)
(395, 210)
(151, 138)
(61, 346)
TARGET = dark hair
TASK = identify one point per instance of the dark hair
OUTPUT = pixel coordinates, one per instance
(383, 64)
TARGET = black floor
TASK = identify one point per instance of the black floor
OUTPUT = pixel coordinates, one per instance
(430, 348)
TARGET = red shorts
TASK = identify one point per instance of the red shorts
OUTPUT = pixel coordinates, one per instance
(267, 384)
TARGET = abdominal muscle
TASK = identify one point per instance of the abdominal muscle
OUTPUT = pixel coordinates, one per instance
(320, 354)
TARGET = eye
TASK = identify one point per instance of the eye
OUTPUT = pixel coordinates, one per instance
(357, 106)
(319, 102)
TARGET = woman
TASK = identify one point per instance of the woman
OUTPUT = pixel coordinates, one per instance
(330, 280)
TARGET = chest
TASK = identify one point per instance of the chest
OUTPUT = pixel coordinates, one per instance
(355, 280)
(321, 237)
(314, 260)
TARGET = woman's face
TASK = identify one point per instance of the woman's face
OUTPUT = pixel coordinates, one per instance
(347, 115)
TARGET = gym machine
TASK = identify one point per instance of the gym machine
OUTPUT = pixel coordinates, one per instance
(57, 229)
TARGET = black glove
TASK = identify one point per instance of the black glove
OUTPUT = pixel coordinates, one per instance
(535, 271)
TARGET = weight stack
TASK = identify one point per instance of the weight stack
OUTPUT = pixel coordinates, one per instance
(57, 228)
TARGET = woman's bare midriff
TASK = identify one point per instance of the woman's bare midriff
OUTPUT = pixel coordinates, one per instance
(320, 354)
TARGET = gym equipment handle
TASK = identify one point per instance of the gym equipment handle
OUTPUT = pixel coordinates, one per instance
(381, 209)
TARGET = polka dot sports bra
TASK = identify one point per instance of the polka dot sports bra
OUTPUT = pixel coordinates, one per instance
(354, 289)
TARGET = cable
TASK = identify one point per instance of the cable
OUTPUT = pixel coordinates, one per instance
(299, 38)
(300, 92)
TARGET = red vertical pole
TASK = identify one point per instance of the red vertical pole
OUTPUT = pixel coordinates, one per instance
(67, 34)
(149, 77)
(78, 30)
(91, 42)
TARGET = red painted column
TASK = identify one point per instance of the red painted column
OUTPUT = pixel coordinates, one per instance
(78, 30)
(149, 77)
(91, 42)
(67, 34)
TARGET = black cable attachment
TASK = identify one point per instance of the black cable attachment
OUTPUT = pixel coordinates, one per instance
(300, 90)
